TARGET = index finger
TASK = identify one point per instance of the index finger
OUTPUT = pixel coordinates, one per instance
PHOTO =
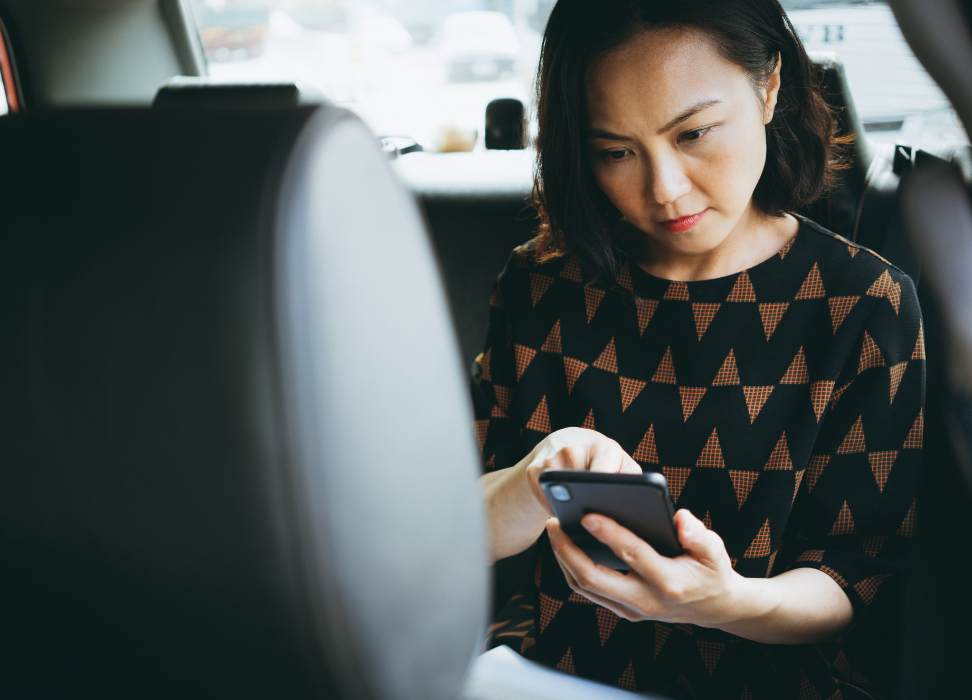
(609, 458)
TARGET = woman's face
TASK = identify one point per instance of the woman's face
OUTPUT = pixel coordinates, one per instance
(676, 139)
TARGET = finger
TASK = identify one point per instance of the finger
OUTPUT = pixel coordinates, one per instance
(608, 457)
(696, 539)
(587, 575)
(567, 457)
(643, 559)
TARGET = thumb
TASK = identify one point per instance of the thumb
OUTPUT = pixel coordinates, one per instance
(696, 539)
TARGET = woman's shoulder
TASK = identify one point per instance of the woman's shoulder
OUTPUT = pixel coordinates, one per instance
(524, 262)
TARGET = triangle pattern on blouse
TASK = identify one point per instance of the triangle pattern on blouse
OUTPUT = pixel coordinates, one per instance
(552, 343)
(524, 356)
(743, 482)
(483, 361)
(691, 395)
(844, 525)
(608, 360)
(540, 420)
(573, 369)
(919, 353)
(548, 608)
(797, 372)
(897, 372)
(624, 277)
(797, 478)
(539, 284)
(907, 528)
(566, 664)
(873, 544)
(814, 469)
(786, 249)
(504, 395)
(711, 653)
(661, 635)
(885, 287)
(771, 315)
(728, 374)
(480, 427)
(589, 421)
(881, 463)
(839, 308)
(627, 679)
(647, 451)
(606, 622)
(756, 397)
(572, 271)
(496, 300)
(665, 374)
(780, 459)
(630, 388)
(760, 546)
(743, 290)
(676, 478)
(712, 453)
(854, 440)
(646, 309)
(704, 313)
(707, 520)
(820, 392)
(592, 300)
(870, 355)
(677, 291)
(813, 287)
(914, 439)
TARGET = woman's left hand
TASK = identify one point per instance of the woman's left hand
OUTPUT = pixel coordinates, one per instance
(698, 587)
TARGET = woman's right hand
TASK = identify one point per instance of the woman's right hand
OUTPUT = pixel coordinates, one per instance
(515, 503)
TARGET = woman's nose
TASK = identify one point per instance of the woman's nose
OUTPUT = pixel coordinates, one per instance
(666, 180)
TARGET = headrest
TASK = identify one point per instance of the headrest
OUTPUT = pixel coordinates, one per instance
(234, 429)
(836, 91)
(204, 93)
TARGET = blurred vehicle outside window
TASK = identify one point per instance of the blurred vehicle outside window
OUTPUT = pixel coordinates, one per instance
(426, 69)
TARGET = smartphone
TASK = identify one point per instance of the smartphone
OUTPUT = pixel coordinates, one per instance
(639, 502)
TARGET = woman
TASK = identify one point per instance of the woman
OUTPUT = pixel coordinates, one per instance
(672, 316)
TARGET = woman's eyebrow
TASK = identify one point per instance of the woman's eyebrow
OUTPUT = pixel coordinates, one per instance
(688, 114)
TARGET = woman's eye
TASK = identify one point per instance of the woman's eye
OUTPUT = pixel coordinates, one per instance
(614, 156)
(694, 135)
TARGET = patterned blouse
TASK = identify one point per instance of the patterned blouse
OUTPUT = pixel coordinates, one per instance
(783, 404)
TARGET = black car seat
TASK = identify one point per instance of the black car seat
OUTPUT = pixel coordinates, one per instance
(236, 456)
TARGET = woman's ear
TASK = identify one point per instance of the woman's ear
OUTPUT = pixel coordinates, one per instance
(771, 91)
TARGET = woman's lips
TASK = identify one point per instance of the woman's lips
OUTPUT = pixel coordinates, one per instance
(684, 223)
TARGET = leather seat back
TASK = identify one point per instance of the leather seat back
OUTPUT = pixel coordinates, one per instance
(234, 431)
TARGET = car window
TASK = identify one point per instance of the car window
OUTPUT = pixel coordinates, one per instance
(427, 70)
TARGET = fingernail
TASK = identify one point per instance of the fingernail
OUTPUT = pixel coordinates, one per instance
(590, 524)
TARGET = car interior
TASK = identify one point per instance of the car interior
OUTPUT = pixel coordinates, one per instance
(236, 331)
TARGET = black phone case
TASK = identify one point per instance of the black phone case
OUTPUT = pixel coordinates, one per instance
(639, 502)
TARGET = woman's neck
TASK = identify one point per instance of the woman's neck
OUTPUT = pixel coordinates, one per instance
(746, 246)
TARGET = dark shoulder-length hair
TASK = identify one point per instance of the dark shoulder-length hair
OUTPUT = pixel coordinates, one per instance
(801, 149)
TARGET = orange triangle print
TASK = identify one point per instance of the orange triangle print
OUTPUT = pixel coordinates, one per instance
(624, 277)
(504, 395)
(606, 622)
(646, 309)
(572, 271)
(661, 634)
(820, 396)
(539, 284)
(812, 286)
(566, 664)
(755, 398)
(844, 525)
(897, 372)
(771, 315)
(496, 300)
(907, 528)
(711, 653)
(665, 374)
(630, 388)
(707, 521)
(881, 463)
(676, 478)
(573, 369)
(873, 544)
(691, 395)
(743, 482)
(711, 454)
(728, 374)
(704, 313)
(797, 373)
(552, 343)
(854, 440)
(919, 353)
(540, 421)
(548, 608)
(480, 427)
(524, 356)
(780, 459)
(814, 469)
(589, 421)
(870, 355)
(677, 291)
(743, 290)
(839, 308)
(647, 452)
(760, 546)
(786, 249)
(592, 299)
(484, 360)
(914, 439)
(608, 361)
(627, 679)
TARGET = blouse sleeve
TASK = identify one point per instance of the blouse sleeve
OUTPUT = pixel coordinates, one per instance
(494, 380)
(854, 514)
